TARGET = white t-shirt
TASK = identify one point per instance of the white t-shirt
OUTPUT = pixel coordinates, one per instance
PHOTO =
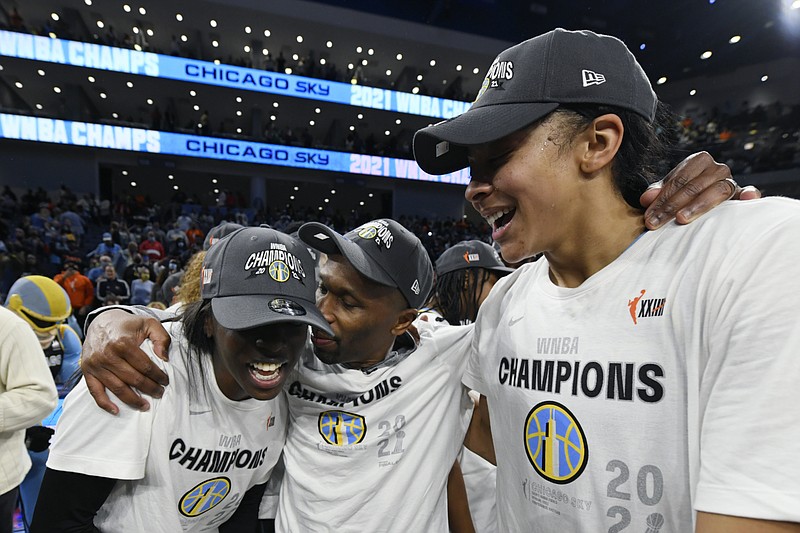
(185, 464)
(665, 384)
(371, 450)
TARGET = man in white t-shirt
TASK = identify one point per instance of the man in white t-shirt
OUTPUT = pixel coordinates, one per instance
(374, 415)
(642, 381)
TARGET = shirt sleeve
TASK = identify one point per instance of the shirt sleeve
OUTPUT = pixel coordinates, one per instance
(29, 392)
(90, 441)
(473, 375)
(749, 394)
(139, 310)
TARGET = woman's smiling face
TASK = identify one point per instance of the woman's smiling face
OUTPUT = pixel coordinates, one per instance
(254, 363)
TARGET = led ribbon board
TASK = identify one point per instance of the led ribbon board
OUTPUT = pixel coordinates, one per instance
(38, 129)
(90, 55)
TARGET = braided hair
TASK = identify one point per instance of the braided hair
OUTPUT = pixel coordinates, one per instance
(449, 296)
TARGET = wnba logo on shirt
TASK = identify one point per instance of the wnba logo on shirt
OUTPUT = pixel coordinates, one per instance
(555, 443)
(641, 308)
(341, 428)
(204, 497)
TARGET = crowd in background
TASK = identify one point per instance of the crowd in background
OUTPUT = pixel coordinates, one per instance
(750, 138)
(128, 249)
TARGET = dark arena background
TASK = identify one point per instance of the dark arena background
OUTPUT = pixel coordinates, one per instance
(288, 111)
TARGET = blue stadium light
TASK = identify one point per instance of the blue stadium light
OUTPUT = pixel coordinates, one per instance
(103, 136)
(90, 55)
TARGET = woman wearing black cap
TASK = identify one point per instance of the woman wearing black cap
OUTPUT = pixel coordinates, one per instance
(635, 379)
(209, 444)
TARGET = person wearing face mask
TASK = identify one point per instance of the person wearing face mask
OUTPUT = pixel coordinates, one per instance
(99, 268)
(141, 287)
(151, 248)
(44, 306)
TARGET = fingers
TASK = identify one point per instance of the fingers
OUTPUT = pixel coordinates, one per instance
(98, 391)
(651, 194)
(748, 193)
(154, 331)
(704, 202)
(137, 370)
(695, 186)
(113, 358)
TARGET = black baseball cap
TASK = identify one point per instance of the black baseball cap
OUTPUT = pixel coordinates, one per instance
(381, 250)
(530, 80)
(218, 232)
(470, 254)
(257, 276)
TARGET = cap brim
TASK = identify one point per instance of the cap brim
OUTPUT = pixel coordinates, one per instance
(477, 125)
(322, 238)
(251, 311)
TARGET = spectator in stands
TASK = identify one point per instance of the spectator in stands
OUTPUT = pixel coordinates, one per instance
(157, 295)
(142, 287)
(151, 248)
(32, 266)
(133, 270)
(110, 285)
(172, 281)
(107, 247)
(130, 251)
(195, 235)
(176, 232)
(97, 268)
(183, 222)
(79, 289)
(75, 222)
(120, 234)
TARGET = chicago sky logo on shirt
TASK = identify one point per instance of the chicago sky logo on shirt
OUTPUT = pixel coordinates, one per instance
(640, 307)
(340, 428)
(204, 496)
(555, 443)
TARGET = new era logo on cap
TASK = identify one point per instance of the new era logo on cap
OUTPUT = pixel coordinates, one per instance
(592, 78)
